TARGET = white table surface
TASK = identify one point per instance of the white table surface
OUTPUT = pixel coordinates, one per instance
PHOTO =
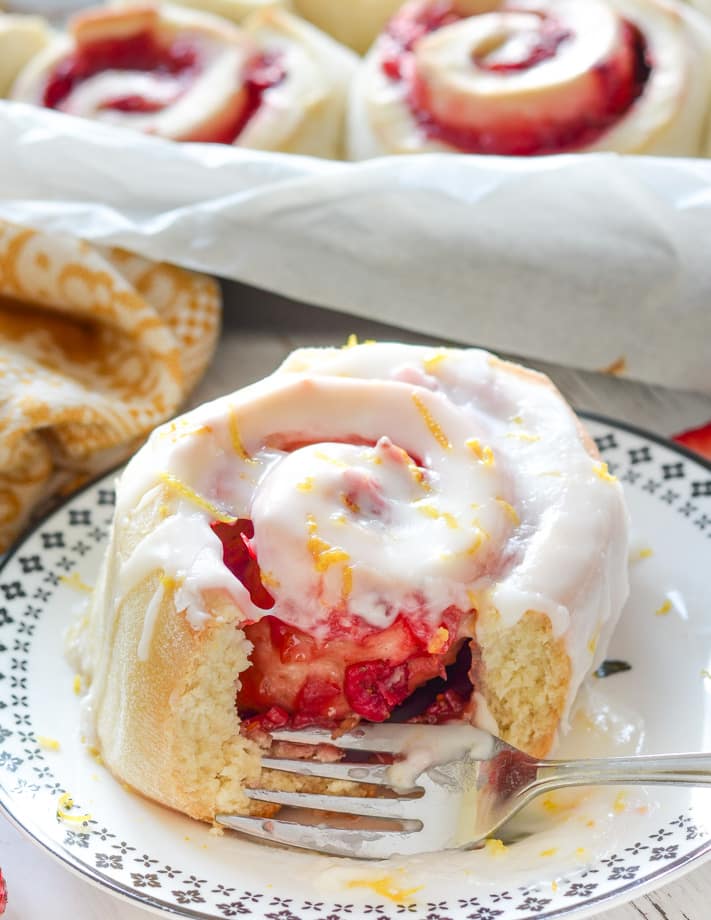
(259, 330)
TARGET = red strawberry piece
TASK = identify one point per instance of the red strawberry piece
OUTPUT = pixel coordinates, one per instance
(240, 557)
(3, 894)
(274, 717)
(292, 644)
(374, 688)
(448, 705)
(697, 439)
(314, 700)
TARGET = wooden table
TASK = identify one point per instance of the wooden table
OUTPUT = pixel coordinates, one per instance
(259, 330)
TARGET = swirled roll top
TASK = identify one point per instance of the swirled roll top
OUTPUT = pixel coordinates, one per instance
(276, 83)
(390, 480)
(535, 77)
(363, 524)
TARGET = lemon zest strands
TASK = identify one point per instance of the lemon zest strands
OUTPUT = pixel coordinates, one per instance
(386, 887)
(347, 582)
(74, 581)
(328, 557)
(186, 492)
(419, 476)
(327, 458)
(664, 609)
(438, 641)
(350, 504)
(323, 554)
(431, 512)
(49, 744)
(602, 472)
(432, 361)
(236, 438)
(429, 420)
(95, 753)
(524, 436)
(481, 536)
(269, 580)
(76, 684)
(352, 341)
(509, 510)
(484, 454)
(495, 847)
(64, 806)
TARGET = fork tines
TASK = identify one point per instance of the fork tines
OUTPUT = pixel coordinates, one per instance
(371, 825)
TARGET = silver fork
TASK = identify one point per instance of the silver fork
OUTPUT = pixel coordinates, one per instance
(445, 787)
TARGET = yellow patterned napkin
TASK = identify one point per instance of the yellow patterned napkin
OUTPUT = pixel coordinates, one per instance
(97, 346)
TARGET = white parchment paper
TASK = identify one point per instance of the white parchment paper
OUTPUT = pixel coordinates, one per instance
(580, 260)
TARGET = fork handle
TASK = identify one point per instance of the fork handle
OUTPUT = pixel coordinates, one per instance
(647, 769)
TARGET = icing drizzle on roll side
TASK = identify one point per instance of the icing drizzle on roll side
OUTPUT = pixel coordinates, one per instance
(382, 493)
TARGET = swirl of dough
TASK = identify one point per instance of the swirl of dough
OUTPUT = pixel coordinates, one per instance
(528, 77)
(274, 84)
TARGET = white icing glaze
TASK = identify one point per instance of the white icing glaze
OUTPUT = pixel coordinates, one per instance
(522, 517)
(429, 746)
(149, 623)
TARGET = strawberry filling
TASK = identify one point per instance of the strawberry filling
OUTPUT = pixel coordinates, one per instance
(353, 671)
(262, 73)
(179, 61)
(140, 52)
(618, 84)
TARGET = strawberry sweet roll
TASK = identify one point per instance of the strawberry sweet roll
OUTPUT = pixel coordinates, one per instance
(381, 533)
(275, 83)
(531, 77)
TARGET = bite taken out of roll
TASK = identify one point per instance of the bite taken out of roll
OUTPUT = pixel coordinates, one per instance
(381, 532)
(276, 83)
(535, 77)
(356, 23)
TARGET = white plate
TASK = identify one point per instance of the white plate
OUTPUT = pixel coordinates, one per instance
(588, 852)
